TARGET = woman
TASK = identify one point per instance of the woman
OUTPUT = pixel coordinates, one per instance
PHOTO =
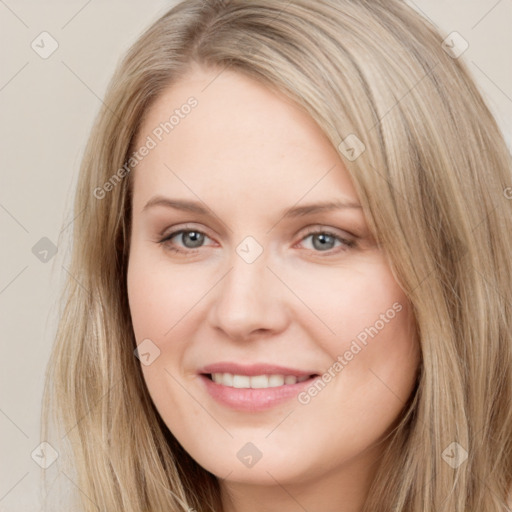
(291, 280)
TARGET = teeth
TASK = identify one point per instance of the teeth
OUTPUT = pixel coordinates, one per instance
(241, 381)
(259, 381)
(290, 379)
(256, 381)
(276, 380)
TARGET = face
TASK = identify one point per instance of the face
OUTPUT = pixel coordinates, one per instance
(276, 344)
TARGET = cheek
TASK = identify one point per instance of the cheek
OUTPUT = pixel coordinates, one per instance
(358, 302)
(368, 332)
(159, 299)
(160, 295)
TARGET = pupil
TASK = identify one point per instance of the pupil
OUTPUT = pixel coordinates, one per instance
(196, 238)
(325, 240)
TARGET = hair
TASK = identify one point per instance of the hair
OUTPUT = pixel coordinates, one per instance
(432, 181)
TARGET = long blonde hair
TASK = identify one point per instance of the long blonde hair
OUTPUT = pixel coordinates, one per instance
(434, 180)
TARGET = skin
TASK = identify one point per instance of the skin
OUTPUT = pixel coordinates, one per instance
(247, 153)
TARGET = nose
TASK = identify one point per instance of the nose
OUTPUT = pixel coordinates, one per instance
(249, 300)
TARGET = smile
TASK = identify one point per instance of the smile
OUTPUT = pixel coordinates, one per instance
(253, 388)
(255, 381)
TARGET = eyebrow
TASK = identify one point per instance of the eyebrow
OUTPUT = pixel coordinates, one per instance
(294, 211)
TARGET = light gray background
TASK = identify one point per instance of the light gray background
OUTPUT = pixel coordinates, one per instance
(47, 108)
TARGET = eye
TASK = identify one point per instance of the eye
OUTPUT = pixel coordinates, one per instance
(324, 241)
(190, 238)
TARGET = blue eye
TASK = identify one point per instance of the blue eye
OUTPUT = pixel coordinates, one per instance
(192, 239)
(324, 241)
(195, 237)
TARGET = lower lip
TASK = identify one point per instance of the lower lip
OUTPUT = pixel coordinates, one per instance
(253, 400)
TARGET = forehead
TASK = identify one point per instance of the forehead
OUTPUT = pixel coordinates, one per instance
(240, 138)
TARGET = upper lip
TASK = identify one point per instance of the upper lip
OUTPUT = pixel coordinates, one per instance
(254, 369)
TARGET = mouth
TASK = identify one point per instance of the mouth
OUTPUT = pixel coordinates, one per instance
(263, 381)
(254, 393)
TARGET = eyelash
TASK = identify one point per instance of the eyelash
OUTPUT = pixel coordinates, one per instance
(346, 243)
